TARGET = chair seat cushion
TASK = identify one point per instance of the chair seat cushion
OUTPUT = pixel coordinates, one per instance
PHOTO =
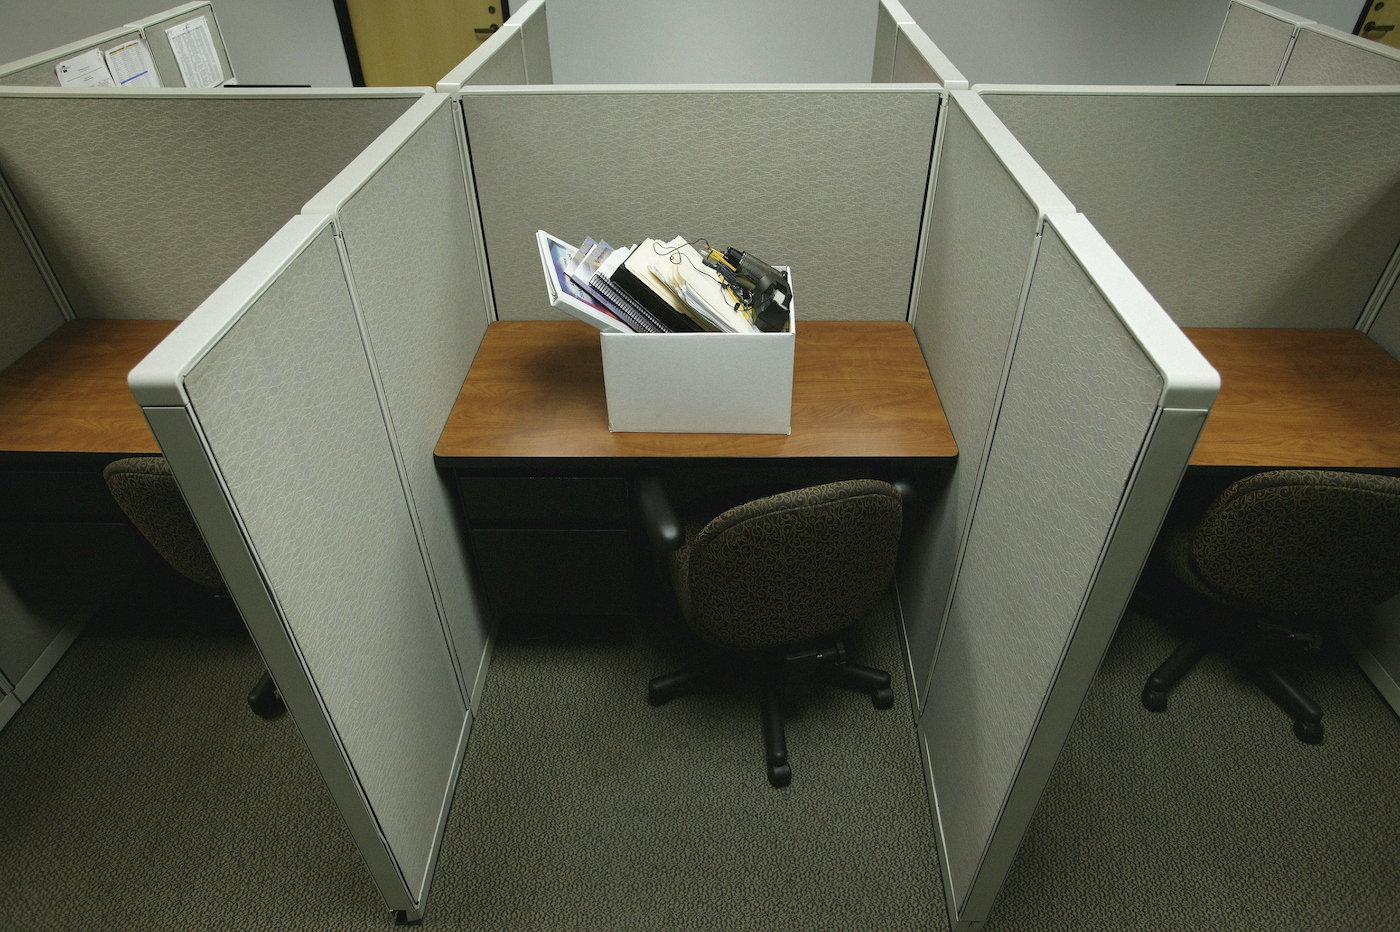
(146, 490)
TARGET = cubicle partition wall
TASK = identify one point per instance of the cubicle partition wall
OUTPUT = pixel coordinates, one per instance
(40, 70)
(904, 54)
(126, 207)
(298, 407)
(1259, 207)
(1076, 403)
(518, 53)
(1261, 44)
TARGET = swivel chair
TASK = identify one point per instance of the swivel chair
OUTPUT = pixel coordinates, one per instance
(145, 489)
(1285, 552)
(771, 581)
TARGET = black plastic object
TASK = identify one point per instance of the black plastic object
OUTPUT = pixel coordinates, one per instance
(264, 699)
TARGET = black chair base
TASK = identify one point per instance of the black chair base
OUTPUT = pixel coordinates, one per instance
(265, 700)
(772, 672)
(1306, 714)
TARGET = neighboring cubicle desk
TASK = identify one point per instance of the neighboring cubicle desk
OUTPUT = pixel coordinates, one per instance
(123, 211)
(1261, 44)
(1272, 208)
(39, 70)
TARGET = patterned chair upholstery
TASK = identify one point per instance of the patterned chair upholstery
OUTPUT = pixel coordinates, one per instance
(784, 570)
(145, 489)
(1290, 550)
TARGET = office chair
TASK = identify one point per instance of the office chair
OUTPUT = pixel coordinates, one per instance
(1285, 552)
(145, 489)
(770, 581)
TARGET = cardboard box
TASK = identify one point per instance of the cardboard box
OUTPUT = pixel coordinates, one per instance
(700, 383)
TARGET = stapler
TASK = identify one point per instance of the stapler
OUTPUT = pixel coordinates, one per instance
(760, 286)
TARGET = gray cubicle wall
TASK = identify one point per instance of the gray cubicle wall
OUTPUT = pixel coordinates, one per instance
(1101, 405)
(1236, 207)
(517, 54)
(1325, 56)
(39, 70)
(402, 213)
(163, 56)
(267, 408)
(142, 202)
(904, 54)
(983, 232)
(32, 311)
(836, 190)
(1254, 43)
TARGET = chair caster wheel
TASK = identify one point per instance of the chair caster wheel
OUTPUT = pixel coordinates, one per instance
(882, 698)
(1154, 700)
(1308, 732)
(264, 699)
(780, 776)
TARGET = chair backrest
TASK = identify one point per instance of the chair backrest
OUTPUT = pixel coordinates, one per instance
(795, 565)
(1303, 541)
(145, 488)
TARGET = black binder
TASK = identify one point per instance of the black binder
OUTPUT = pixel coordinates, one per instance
(658, 306)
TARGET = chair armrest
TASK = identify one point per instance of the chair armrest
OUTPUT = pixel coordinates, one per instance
(658, 517)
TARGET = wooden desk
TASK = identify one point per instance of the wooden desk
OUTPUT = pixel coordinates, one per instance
(545, 488)
(69, 393)
(535, 389)
(1300, 398)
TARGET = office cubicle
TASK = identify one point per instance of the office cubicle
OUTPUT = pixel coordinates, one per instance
(1261, 44)
(184, 38)
(204, 178)
(346, 336)
(298, 407)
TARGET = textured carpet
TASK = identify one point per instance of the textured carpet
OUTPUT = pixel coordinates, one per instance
(138, 791)
(1212, 815)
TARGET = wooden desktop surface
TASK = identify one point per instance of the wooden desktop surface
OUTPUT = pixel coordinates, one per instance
(1300, 398)
(535, 389)
(69, 393)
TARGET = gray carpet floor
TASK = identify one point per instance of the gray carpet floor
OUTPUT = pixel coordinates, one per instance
(137, 791)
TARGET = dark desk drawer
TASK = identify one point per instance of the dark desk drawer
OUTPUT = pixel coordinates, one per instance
(555, 571)
(508, 500)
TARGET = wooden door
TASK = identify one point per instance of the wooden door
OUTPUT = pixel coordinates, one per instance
(416, 42)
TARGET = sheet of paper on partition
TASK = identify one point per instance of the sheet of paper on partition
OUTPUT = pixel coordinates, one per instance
(193, 46)
(130, 64)
(86, 70)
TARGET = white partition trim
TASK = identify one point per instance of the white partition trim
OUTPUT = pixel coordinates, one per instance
(191, 459)
(921, 245)
(898, 13)
(1378, 297)
(1024, 170)
(456, 79)
(474, 206)
(43, 665)
(8, 707)
(948, 73)
(630, 89)
(36, 252)
(130, 93)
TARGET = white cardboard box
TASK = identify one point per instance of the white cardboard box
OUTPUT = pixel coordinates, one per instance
(700, 383)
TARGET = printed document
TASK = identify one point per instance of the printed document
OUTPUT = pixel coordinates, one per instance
(86, 70)
(193, 46)
(130, 64)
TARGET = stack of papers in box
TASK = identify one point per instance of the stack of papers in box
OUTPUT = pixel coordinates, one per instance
(653, 287)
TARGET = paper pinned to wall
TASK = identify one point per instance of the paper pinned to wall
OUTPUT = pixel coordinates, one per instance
(86, 70)
(193, 46)
(130, 64)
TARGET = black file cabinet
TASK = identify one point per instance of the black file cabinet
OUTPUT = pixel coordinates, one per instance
(553, 545)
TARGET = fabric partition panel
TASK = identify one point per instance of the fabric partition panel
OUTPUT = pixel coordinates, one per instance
(888, 15)
(1103, 400)
(1264, 207)
(498, 60)
(39, 70)
(988, 204)
(28, 311)
(836, 190)
(534, 36)
(204, 178)
(1323, 56)
(266, 407)
(158, 41)
(401, 209)
(1253, 44)
(917, 60)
